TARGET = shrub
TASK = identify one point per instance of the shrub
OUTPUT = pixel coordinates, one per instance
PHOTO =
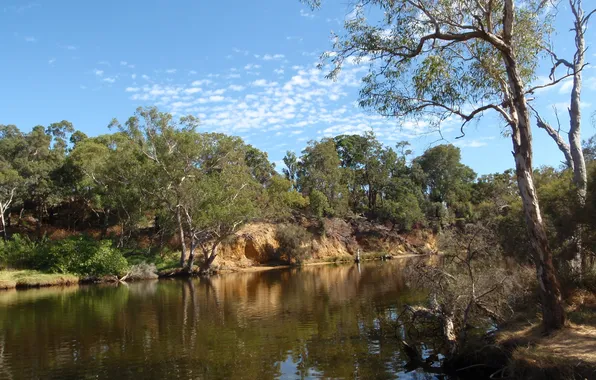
(142, 271)
(82, 256)
(17, 253)
(294, 244)
(78, 255)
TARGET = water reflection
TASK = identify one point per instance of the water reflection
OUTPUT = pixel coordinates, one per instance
(318, 321)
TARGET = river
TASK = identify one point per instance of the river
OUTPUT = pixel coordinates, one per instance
(321, 321)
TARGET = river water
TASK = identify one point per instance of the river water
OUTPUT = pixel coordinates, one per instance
(314, 322)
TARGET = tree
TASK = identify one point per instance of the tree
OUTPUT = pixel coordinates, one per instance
(445, 179)
(11, 143)
(291, 169)
(115, 181)
(258, 162)
(368, 164)
(171, 147)
(460, 58)
(320, 170)
(589, 149)
(572, 149)
(215, 204)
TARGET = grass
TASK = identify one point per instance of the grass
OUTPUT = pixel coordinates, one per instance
(10, 279)
(566, 354)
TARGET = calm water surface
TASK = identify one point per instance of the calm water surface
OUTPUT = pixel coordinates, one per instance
(315, 322)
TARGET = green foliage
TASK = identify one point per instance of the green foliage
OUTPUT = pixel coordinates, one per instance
(282, 199)
(320, 170)
(414, 71)
(18, 252)
(404, 213)
(445, 178)
(319, 205)
(74, 255)
(80, 255)
(294, 243)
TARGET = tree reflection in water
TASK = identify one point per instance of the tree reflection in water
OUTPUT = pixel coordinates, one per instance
(317, 321)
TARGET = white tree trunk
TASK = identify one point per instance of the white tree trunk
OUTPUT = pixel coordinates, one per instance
(553, 313)
(181, 234)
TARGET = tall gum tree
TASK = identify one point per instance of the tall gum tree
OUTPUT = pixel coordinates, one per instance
(572, 148)
(170, 146)
(444, 58)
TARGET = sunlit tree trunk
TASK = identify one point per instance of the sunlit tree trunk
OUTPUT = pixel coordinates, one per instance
(181, 234)
(553, 313)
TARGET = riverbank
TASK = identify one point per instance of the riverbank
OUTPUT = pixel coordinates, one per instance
(24, 279)
(566, 354)
(519, 349)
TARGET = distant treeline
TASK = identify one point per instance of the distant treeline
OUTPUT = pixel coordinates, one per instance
(157, 177)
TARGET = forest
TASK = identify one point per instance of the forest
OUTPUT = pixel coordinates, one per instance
(158, 184)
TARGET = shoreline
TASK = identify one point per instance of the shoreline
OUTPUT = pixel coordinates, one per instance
(32, 279)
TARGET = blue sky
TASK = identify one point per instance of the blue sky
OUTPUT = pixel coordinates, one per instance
(244, 67)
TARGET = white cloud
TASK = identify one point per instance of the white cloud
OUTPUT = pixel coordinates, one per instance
(473, 143)
(263, 83)
(252, 66)
(306, 14)
(171, 71)
(269, 57)
(133, 76)
(144, 76)
(193, 90)
(470, 143)
(304, 101)
(192, 72)
(98, 72)
(51, 60)
(30, 39)
(109, 79)
(240, 51)
(132, 89)
(201, 82)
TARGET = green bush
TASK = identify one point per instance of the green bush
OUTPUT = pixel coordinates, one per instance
(294, 243)
(18, 252)
(82, 256)
(75, 255)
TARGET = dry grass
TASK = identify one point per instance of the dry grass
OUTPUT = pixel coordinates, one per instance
(566, 354)
(34, 279)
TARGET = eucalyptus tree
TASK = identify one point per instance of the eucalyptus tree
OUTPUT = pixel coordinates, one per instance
(12, 142)
(114, 179)
(320, 170)
(169, 145)
(208, 182)
(572, 148)
(445, 178)
(220, 195)
(291, 169)
(445, 58)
